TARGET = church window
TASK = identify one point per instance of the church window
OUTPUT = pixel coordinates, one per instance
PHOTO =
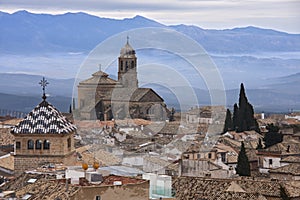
(69, 142)
(38, 144)
(81, 103)
(209, 155)
(223, 157)
(121, 65)
(30, 144)
(46, 144)
(18, 145)
(132, 64)
(126, 65)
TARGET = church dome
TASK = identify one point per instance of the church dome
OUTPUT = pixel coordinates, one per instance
(127, 51)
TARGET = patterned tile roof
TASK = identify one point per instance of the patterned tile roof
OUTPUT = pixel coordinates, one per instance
(44, 119)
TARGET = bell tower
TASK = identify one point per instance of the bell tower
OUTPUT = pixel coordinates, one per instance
(127, 71)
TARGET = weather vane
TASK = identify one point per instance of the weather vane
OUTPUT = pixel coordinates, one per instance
(44, 83)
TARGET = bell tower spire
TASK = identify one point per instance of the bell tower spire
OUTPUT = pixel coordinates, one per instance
(127, 70)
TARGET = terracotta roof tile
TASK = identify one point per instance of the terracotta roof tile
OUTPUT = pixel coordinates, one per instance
(293, 168)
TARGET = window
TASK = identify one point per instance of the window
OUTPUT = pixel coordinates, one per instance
(98, 197)
(209, 155)
(46, 144)
(270, 161)
(81, 103)
(18, 145)
(132, 64)
(223, 157)
(38, 144)
(30, 144)
(69, 142)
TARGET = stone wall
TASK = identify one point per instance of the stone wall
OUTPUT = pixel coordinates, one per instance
(201, 168)
(58, 144)
(59, 152)
(30, 162)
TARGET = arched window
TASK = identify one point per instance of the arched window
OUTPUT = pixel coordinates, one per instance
(132, 64)
(30, 144)
(126, 67)
(38, 144)
(18, 145)
(46, 144)
(121, 65)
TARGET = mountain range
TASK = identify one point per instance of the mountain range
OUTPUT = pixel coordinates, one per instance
(34, 33)
(14, 96)
(35, 45)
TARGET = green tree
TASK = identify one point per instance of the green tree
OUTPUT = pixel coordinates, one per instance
(171, 116)
(283, 194)
(243, 166)
(235, 117)
(73, 101)
(259, 145)
(273, 136)
(228, 122)
(245, 116)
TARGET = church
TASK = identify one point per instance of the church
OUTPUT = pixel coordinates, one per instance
(103, 98)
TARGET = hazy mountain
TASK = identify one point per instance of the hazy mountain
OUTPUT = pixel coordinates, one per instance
(22, 93)
(27, 85)
(242, 40)
(288, 85)
(12, 103)
(26, 32)
(56, 45)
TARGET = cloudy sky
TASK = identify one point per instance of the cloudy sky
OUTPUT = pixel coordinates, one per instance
(283, 15)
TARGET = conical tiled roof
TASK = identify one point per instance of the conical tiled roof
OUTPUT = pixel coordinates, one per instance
(44, 119)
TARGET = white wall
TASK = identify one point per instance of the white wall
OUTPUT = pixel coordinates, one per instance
(275, 162)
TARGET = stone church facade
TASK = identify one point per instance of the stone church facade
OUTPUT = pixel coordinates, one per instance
(103, 98)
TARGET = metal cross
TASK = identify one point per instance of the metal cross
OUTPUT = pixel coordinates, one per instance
(44, 84)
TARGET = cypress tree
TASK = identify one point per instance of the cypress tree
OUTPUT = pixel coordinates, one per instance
(259, 145)
(171, 116)
(243, 166)
(283, 194)
(245, 117)
(272, 136)
(242, 125)
(228, 121)
(235, 117)
(70, 109)
(74, 107)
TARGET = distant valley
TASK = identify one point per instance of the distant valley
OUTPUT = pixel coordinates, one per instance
(32, 45)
